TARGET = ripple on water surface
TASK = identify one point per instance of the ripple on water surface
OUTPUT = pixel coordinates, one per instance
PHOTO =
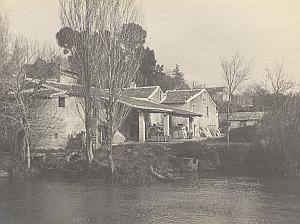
(194, 200)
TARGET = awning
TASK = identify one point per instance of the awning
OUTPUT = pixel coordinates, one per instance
(154, 107)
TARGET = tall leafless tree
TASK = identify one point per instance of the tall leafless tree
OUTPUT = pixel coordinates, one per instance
(19, 106)
(19, 103)
(11, 60)
(106, 44)
(4, 39)
(279, 80)
(236, 70)
(82, 16)
(119, 61)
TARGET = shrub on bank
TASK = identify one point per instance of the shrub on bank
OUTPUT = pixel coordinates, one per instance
(133, 162)
(214, 155)
(244, 134)
(244, 158)
(17, 169)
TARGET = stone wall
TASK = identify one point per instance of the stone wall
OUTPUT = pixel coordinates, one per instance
(56, 124)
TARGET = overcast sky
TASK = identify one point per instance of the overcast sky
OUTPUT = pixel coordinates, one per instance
(194, 33)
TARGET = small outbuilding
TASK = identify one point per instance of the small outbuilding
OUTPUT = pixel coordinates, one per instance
(244, 119)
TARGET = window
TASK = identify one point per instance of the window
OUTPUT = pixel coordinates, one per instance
(194, 107)
(94, 112)
(61, 102)
(207, 112)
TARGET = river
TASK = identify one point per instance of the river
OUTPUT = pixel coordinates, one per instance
(193, 200)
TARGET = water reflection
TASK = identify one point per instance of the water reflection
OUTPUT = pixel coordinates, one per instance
(195, 200)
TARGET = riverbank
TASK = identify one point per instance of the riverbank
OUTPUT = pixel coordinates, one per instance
(133, 164)
(136, 162)
(242, 158)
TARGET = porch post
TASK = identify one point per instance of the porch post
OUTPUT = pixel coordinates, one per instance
(166, 125)
(191, 123)
(142, 127)
(188, 123)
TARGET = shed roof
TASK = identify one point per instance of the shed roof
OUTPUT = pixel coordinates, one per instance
(179, 96)
(246, 116)
(154, 107)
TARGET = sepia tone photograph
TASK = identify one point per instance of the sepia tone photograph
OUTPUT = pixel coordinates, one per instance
(149, 111)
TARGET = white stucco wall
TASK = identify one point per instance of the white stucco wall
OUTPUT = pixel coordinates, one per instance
(60, 122)
(199, 104)
(157, 95)
(239, 124)
(235, 124)
(156, 118)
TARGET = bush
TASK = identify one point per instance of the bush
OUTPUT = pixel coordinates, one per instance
(133, 162)
(245, 134)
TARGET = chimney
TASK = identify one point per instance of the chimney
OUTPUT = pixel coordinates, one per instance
(133, 85)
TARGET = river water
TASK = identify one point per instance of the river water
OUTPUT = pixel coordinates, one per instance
(192, 200)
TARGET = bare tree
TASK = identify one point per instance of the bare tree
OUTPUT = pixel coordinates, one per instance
(4, 39)
(236, 70)
(119, 61)
(18, 104)
(106, 43)
(79, 19)
(280, 83)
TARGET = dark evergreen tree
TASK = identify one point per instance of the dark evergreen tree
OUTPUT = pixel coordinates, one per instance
(146, 75)
(178, 81)
(132, 36)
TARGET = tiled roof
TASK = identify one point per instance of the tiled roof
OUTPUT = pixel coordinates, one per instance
(73, 90)
(69, 73)
(131, 97)
(179, 96)
(41, 92)
(151, 106)
(47, 93)
(246, 116)
(140, 92)
(77, 90)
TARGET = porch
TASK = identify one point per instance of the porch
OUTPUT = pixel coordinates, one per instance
(152, 122)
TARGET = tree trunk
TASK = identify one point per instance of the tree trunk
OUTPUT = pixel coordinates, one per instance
(228, 125)
(87, 88)
(110, 159)
(20, 145)
(28, 159)
(109, 141)
(88, 129)
(24, 147)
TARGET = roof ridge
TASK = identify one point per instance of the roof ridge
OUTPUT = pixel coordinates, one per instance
(215, 87)
(142, 87)
(178, 90)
